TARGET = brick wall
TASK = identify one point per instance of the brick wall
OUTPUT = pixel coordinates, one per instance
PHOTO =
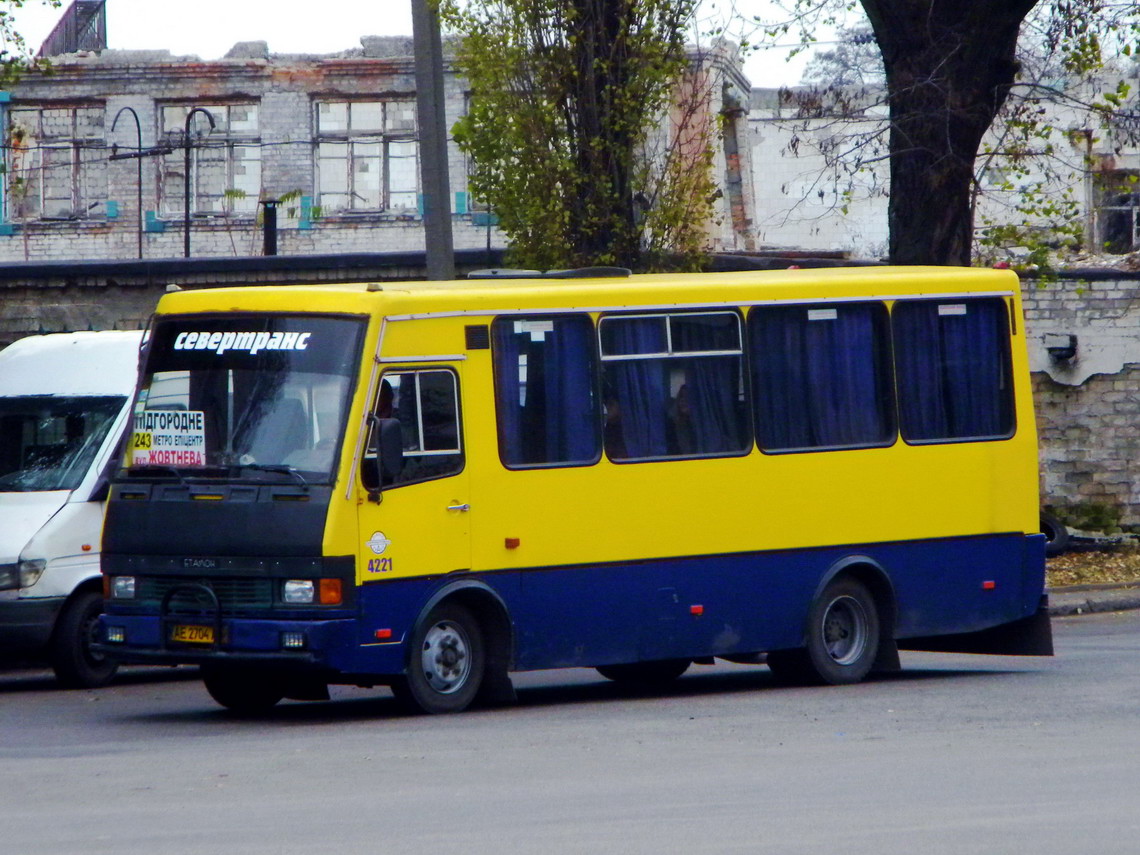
(1088, 406)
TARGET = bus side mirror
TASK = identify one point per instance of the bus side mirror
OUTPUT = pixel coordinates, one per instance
(391, 450)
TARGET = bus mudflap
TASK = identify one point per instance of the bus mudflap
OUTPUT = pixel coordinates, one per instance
(1029, 636)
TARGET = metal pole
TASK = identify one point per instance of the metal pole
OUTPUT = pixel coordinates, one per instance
(186, 177)
(138, 185)
(432, 123)
(269, 225)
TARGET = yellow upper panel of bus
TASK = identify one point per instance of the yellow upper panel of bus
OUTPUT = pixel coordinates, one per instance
(660, 290)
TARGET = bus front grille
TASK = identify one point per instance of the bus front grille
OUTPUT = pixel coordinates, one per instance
(232, 594)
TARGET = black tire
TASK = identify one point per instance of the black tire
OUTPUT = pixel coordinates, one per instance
(75, 664)
(842, 638)
(649, 674)
(1056, 534)
(447, 662)
(243, 690)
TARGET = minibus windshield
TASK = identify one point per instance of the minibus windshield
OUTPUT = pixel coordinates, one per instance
(245, 397)
(47, 442)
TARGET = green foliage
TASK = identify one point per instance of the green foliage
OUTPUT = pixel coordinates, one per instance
(565, 97)
(15, 57)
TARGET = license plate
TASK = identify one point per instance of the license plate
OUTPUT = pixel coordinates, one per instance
(191, 634)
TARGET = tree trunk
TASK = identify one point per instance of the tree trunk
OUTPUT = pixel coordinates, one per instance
(949, 65)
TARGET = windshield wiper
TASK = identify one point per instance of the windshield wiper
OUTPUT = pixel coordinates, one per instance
(282, 468)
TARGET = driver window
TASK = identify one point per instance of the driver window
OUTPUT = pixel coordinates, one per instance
(425, 407)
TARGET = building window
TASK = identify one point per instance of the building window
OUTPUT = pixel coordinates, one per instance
(1118, 212)
(673, 385)
(225, 162)
(367, 156)
(56, 163)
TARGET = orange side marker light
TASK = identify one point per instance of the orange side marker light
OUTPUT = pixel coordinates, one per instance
(331, 594)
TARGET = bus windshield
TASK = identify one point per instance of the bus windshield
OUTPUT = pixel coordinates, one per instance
(47, 442)
(247, 395)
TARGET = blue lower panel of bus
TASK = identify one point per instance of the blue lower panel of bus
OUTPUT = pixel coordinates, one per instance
(659, 609)
(727, 604)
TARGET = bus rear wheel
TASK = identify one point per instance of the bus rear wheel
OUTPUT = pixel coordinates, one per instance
(842, 638)
(242, 690)
(447, 662)
(657, 673)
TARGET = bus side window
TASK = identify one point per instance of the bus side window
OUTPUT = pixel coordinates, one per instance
(954, 373)
(425, 404)
(821, 376)
(673, 385)
(545, 391)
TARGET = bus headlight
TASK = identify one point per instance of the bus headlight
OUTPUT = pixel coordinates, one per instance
(123, 588)
(299, 591)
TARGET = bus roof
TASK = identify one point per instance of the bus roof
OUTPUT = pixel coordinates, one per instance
(665, 290)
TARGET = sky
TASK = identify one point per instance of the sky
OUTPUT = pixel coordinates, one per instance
(209, 28)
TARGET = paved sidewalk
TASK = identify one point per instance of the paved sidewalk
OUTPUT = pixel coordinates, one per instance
(1084, 599)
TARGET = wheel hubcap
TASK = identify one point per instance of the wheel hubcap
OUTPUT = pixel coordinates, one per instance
(845, 630)
(445, 657)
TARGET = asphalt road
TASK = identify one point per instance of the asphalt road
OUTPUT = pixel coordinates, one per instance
(956, 754)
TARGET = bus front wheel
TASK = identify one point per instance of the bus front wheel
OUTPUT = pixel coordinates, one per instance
(447, 662)
(842, 638)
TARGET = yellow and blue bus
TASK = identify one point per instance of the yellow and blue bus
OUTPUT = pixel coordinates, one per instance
(431, 485)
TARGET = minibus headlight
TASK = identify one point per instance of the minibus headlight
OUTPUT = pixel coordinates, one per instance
(9, 576)
(30, 572)
(123, 588)
(299, 591)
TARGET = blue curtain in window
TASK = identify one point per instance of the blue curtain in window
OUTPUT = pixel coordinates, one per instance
(553, 419)
(820, 382)
(953, 370)
(711, 394)
(640, 387)
(571, 427)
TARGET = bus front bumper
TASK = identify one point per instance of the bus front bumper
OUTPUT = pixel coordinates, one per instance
(303, 644)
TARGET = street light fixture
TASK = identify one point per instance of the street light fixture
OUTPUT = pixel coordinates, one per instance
(138, 151)
(186, 176)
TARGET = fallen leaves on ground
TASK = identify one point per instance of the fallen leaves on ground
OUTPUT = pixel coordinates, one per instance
(1095, 567)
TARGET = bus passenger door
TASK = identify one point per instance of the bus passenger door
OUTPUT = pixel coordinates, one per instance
(420, 525)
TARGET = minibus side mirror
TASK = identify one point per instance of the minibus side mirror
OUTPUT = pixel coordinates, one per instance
(391, 451)
(386, 450)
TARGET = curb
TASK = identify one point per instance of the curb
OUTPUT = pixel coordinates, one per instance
(1087, 599)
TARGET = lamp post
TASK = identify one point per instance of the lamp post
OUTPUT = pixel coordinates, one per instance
(430, 119)
(186, 176)
(138, 185)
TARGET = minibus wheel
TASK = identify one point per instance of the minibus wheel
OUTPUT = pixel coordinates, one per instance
(242, 690)
(658, 673)
(75, 664)
(842, 638)
(447, 659)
